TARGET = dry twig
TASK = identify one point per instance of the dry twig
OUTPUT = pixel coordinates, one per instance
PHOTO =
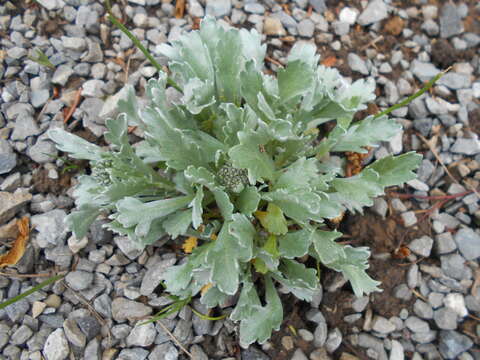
(372, 43)
(89, 306)
(273, 61)
(174, 339)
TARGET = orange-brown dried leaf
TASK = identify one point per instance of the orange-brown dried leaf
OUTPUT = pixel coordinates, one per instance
(19, 245)
(329, 61)
(190, 244)
(179, 8)
(401, 253)
(338, 219)
(394, 26)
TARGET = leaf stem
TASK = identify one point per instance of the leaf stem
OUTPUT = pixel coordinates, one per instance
(139, 45)
(408, 100)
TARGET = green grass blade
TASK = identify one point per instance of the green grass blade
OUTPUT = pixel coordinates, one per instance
(206, 317)
(42, 59)
(168, 310)
(408, 100)
(139, 45)
(31, 291)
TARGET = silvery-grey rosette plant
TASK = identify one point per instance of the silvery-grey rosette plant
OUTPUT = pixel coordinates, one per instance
(239, 164)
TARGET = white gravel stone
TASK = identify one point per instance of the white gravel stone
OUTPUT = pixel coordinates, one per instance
(375, 11)
(56, 347)
(357, 64)
(142, 335)
(456, 302)
(348, 15)
(62, 74)
(218, 8)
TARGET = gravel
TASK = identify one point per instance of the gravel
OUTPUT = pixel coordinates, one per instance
(122, 282)
(375, 11)
(468, 242)
(56, 346)
(123, 309)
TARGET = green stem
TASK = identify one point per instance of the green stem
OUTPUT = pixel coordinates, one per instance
(139, 45)
(206, 317)
(31, 291)
(408, 100)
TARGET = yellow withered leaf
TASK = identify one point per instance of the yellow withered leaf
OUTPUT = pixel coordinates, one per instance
(205, 288)
(190, 244)
(17, 250)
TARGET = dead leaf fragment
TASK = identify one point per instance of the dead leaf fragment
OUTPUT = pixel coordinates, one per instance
(394, 26)
(190, 244)
(19, 245)
(205, 288)
(179, 8)
(329, 61)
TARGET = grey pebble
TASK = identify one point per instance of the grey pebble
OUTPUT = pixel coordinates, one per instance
(10, 203)
(133, 354)
(252, 353)
(51, 228)
(445, 318)
(320, 333)
(21, 335)
(357, 64)
(444, 243)
(409, 218)
(360, 303)
(255, 8)
(142, 335)
(305, 335)
(334, 340)
(453, 265)
(466, 146)
(468, 242)
(382, 325)
(415, 324)
(56, 347)
(423, 71)
(183, 331)
(306, 28)
(422, 246)
(152, 277)
(25, 126)
(123, 309)
(43, 150)
(93, 350)
(423, 310)
(74, 334)
(198, 353)
(451, 344)
(375, 11)
(79, 280)
(62, 74)
(218, 8)
(450, 21)
(166, 351)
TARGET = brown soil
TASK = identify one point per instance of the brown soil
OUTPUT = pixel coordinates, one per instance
(474, 120)
(382, 236)
(43, 184)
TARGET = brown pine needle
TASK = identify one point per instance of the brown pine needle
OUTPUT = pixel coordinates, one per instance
(179, 8)
(78, 96)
